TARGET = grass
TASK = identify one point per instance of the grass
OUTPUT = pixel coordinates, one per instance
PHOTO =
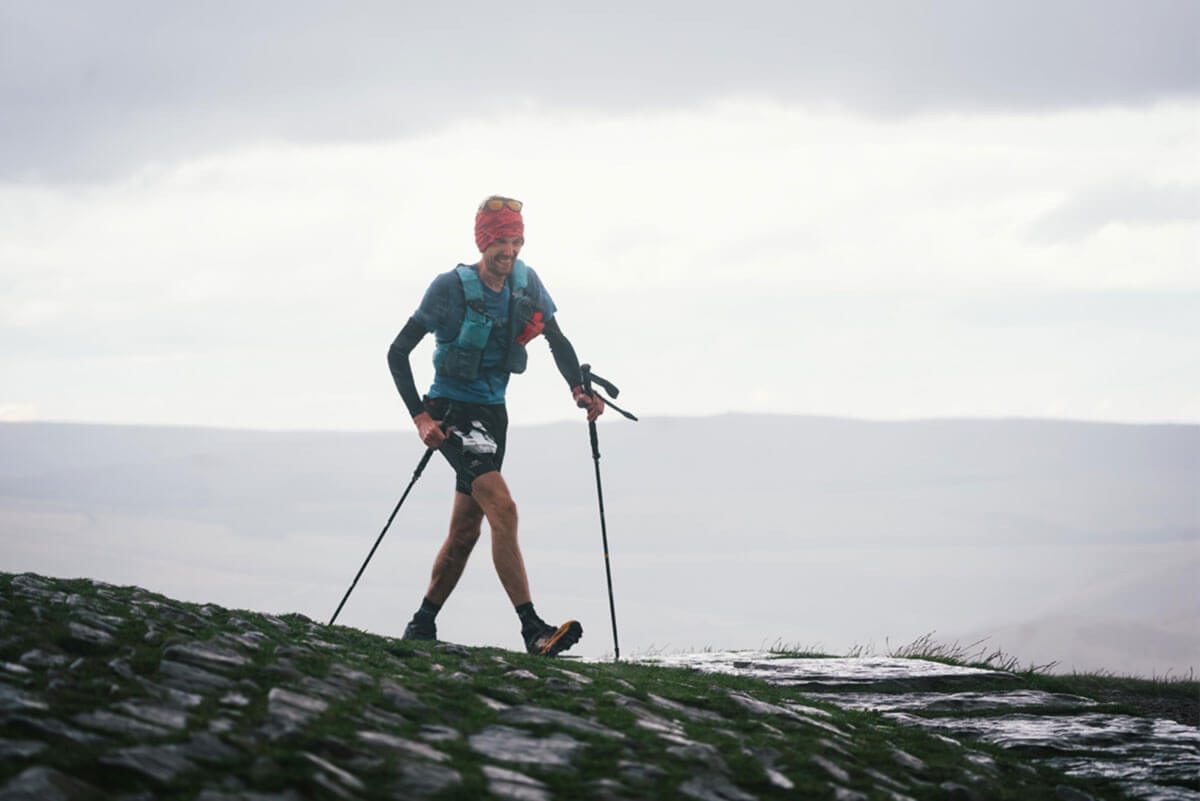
(453, 685)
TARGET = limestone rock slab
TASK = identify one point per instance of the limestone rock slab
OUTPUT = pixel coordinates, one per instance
(512, 786)
(541, 716)
(40, 783)
(506, 744)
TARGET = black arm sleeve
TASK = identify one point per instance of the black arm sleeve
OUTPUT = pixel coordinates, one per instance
(405, 341)
(564, 355)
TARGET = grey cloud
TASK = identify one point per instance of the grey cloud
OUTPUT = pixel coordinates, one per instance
(1130, 201)
(88, 88)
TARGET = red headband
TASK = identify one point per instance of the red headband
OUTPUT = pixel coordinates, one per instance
(493, 225)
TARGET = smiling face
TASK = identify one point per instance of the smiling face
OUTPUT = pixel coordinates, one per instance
(497, 261)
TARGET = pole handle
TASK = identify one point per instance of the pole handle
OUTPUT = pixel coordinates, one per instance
(607, 386)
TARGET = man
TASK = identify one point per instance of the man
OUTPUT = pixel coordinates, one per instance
(482, 317)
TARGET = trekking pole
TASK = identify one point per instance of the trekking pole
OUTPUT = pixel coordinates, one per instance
(588, 378)
(416, 474)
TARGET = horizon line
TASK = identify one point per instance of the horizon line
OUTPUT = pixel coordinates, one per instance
(1008, 419)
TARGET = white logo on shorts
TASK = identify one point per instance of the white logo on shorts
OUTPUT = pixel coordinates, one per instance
(477, 440)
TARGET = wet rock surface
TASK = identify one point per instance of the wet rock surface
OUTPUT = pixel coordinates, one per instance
(114, 692)
(1150, 758)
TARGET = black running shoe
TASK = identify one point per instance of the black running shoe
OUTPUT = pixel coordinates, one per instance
(547, 641)
(420, 628)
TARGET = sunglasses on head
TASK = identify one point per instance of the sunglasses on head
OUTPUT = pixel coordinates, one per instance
(497, 203)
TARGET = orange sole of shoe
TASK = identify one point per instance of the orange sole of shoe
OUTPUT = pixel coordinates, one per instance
(567, 635)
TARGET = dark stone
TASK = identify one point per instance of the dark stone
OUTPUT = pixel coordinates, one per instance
(383, 718)
(343, 777)
(959, 792)
(13, 669)
(28, 581)
(245, 640)
(285, 703)
(759, 707)
(118, 724)
(699, 752)
(90, 637)
(401, 698)
(160, 764)
(289, 651)
(284, 670)
(178, 615)
(274, 621)
(402, 745)
(40, 783)
(607, 790)
(349, 674)
(290, 711)
(512, 786)
(19, 749)
(690, 712)
(507, 744)
(192, 679)
(109, 623)
(536, 715)
(439, 734)
(908, 761)
(639, 772)
(48, 727)
(122, 669)
(324, 689)
(846, 794)
(152, 713)
(178, 698)
(40, 659)
(713, 787)
(835, 771)
(562, 686)
(14, 700)
(207, 656)
(422, 779)
(208, 748)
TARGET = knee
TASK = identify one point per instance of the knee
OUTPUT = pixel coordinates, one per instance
(506, 510)
(463, 539)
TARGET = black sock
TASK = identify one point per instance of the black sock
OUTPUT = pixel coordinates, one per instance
(529, 618)
(428, 609)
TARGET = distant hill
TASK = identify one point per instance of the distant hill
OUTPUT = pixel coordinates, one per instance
(736, 530)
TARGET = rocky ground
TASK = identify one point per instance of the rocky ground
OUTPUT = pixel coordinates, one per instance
(115, 692)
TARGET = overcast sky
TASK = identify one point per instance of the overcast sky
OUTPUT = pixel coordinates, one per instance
(221, 213)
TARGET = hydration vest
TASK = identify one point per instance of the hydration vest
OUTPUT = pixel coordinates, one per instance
(461, 357)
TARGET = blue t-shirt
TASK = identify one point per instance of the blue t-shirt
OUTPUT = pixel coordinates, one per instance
(442, 311)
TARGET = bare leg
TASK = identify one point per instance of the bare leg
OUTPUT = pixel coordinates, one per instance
(490, 493)
(466, 521)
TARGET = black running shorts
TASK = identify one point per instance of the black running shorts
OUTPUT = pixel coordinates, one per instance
(475, 437)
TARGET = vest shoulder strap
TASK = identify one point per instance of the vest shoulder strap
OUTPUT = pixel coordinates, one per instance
(469, 279)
